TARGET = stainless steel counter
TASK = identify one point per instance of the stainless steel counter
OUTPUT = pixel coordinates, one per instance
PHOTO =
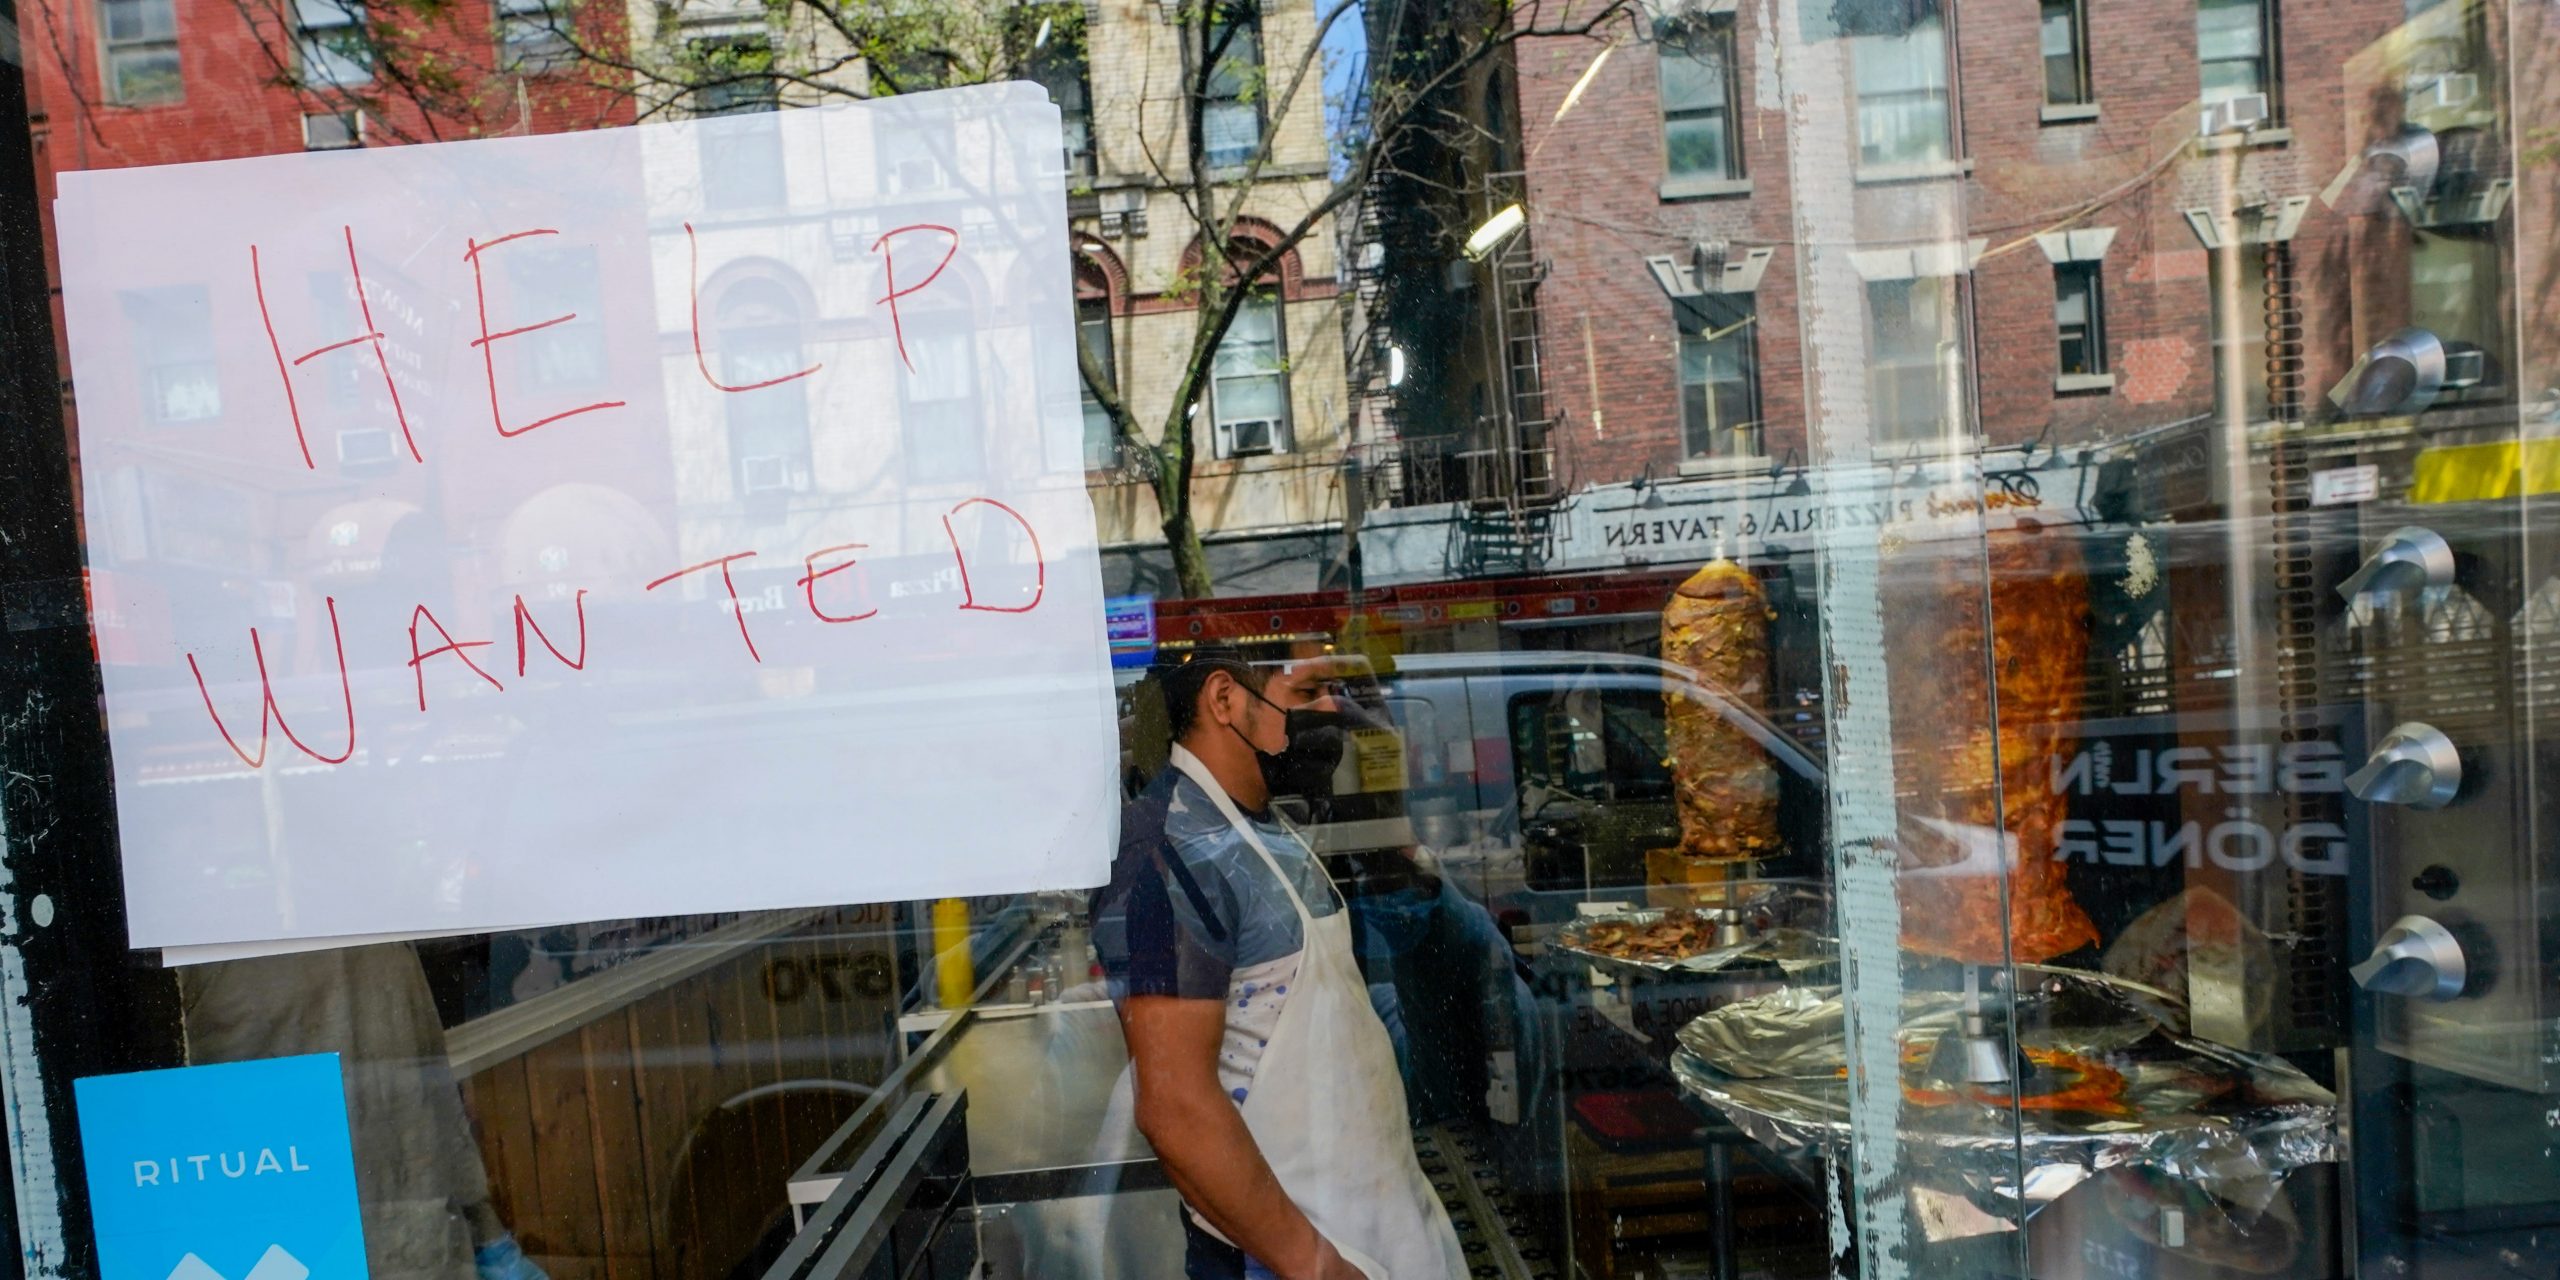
(1065, 1186)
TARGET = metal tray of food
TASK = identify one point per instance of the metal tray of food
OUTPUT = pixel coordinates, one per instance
(2107, 1080)
(1773, 926)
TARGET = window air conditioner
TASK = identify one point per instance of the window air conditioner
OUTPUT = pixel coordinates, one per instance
(364, 445)
(1252, 438)
(764, 473)
(2236, 114)
(2453, 90)
(333, 131)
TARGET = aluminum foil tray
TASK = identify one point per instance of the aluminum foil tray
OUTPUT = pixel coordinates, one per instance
(2228, 1123)
(1784, 931)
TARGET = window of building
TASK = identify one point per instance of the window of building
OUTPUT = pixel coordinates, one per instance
(1050, 46)
(914, 161)
(334, 49)
(938, 398)
(2064, 41)
(141, 51)
(1093, 329)
(533, 36)
(741, 147)
(1696, 60)
(173, 345)
(759, 340)
(1911, 356)
(1903, 115)
(1249, 383)
(2234, 49)
(2453, 289)
(2079, 319)
(1231, 118)
(547, 282)
(1719, 391)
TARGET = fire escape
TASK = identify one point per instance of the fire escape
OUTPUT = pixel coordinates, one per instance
(1509, 515)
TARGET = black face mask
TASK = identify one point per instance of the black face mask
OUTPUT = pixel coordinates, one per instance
(1304, 768)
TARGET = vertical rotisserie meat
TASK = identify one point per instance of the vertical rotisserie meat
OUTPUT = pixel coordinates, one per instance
(2038, 645)
(1717, 627)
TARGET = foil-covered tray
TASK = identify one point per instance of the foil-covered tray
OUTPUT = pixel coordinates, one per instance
(1775, 926)
(2107, 1081)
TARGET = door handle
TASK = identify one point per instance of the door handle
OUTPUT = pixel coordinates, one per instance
(2416, 765)
(2411, 556)
(2415, 957)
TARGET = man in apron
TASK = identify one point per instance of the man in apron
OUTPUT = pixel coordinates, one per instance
(1262, 1077)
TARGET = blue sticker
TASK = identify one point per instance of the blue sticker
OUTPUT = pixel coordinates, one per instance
(241, 1171)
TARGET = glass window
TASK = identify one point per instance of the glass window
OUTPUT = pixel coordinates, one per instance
(141, 39)
(1093, 331)
(1719, 390)
(1902, 96)
(760, 328)
(1759, 748)
(2231, 48)
(1911, 345)
(938, 399)
(1696, 61)
(1050, 44)
(1231, 116)
(742, 152)
(173, 337)
(534, 36)
(546, 282)
(2079, 319)
(2066, 54)
(334, 48)
(1250, 385)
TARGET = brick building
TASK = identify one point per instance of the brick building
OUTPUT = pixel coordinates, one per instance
(2040, 205)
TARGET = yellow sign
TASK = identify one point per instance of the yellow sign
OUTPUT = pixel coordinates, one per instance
(1381, 756)
(2475, 472)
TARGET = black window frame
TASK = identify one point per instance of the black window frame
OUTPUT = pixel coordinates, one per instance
(2089, 281)
(1729, 321)
(2269, 58)
(1228, 81)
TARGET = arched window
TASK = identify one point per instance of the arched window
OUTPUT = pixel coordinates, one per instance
(758, 328)
(1249, 376)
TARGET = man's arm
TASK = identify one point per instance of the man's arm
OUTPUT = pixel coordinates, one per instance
(1200, 1137)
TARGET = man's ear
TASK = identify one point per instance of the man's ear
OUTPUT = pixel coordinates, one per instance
(1212, 691)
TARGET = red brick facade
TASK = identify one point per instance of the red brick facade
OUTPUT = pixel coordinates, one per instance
(1611, 340)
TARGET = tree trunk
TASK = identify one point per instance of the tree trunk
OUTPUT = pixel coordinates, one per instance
(1190, 558)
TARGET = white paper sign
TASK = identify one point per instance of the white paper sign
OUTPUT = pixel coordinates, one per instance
(652, 521)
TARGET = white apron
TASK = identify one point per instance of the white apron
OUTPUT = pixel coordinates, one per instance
(1327, 1105)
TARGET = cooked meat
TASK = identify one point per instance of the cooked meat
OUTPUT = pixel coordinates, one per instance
(1678, 935)
(1717, 626)
(2038, 653)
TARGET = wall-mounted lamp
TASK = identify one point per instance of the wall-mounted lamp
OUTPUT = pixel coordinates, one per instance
(1489, 236)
